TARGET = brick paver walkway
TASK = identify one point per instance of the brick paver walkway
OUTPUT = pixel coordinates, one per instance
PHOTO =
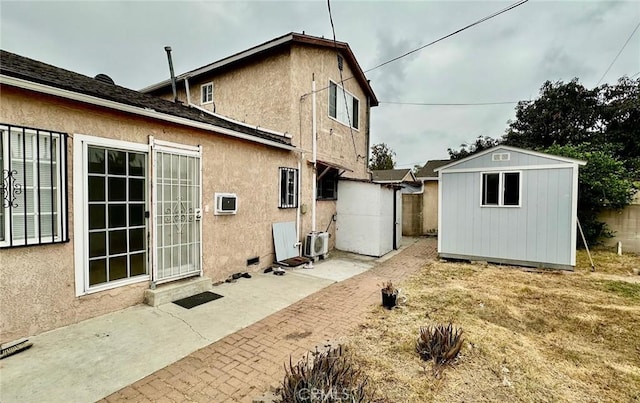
(247, 363)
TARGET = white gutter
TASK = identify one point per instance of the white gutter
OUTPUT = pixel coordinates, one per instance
(314, 151)
(147, 112)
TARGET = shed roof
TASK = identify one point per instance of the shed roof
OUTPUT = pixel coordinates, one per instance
(514, 149)
(427, 171)
(20, 67)
(392, 175)
(269, 47)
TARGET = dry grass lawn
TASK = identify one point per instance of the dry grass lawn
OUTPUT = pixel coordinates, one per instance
(530, 336)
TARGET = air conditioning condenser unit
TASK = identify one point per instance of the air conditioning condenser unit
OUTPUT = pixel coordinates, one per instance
(316, 244)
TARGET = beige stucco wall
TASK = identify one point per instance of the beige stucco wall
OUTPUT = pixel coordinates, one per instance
(38, 282)
(412, 214)
(273, 93)
(430, 207)
(626, 226)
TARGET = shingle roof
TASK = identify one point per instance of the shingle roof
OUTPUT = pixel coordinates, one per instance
(427, 170)
(21, 67)
(271, 46)
(389, 174)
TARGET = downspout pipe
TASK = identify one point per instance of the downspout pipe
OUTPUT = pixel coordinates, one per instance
(314, 147)
(173, 77)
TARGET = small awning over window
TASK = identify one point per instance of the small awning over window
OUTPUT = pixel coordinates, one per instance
(323, 168)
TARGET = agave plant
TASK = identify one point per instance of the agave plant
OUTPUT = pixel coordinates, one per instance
(440, 343)
(325, 376)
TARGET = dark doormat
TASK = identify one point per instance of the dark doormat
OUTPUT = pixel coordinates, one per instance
(197, 299)
(294, 261)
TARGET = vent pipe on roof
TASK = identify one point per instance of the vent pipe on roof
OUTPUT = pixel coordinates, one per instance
(173, 77)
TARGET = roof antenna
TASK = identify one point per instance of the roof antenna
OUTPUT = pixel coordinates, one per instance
(173, 77)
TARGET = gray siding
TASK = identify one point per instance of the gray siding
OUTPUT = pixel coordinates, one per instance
(539, 231)
(516, 159)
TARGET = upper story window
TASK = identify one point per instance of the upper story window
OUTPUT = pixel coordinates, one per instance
(206, 93)
(33, 194)
(288, 188)
(501, 189)
(343, 106)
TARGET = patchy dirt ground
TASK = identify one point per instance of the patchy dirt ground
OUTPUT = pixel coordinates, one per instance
(530, 336)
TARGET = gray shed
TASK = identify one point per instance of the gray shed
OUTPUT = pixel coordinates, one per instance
(509, 205)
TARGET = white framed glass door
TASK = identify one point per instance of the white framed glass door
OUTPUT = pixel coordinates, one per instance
(177, 200)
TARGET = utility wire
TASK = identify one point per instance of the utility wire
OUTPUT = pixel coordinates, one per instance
(450, 104)
(616, 58)
(635, 74)
(495, 14)
(480, 21)
(344, 93)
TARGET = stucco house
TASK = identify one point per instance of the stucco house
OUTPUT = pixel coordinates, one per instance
(509, 205)
(396, 176)
(109, 194)
(276, 85)
(429, 205)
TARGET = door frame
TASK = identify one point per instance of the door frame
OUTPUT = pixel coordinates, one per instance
(180, 149)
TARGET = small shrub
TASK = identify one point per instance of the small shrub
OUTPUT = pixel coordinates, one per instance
(325, 376)
(439, 343)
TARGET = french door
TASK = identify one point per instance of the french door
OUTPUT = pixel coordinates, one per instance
(176, 210)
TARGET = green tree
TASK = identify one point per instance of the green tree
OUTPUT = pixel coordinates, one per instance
(603, 183)
(600, 126)
(481, 143)
(382, 157)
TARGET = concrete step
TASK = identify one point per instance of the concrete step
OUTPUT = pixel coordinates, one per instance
(172, 291)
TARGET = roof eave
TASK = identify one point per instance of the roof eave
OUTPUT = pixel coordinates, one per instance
(93, 100)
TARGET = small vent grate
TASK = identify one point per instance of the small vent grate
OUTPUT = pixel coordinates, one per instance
(500, 157)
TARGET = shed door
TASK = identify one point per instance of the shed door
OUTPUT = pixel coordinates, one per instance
(177, 211)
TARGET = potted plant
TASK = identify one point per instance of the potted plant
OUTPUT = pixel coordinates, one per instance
(389, 295)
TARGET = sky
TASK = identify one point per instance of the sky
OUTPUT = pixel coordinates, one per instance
(505, 59)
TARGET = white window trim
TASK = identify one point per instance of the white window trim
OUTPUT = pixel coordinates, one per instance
(350, 117)
(60, 193)
(202, 87)
(81, 215)
(501, 189)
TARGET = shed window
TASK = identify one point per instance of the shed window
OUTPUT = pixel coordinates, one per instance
(288, 188)
(501, 189)
(33, 192)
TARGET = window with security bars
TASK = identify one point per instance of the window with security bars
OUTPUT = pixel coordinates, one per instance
(33, 190)
(288, 188)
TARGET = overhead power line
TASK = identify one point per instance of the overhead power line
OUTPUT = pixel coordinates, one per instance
(480, 21)
(450, 104)
(635, 74)
(616, 58)
(490, 16)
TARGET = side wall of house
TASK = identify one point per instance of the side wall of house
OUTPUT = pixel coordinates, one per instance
(45, 275)
(538, 231)
(430, 207)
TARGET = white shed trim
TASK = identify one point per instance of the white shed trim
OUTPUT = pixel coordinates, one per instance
(574, 215)
(510, 168)
(514, 149)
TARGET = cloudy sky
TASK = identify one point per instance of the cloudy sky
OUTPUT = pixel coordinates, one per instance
(504, 59)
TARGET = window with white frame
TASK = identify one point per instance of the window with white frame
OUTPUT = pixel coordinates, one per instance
(288, 188)
(206, 93)
(116, 194)
(33, 194)
(501, 189)
(343, 106)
